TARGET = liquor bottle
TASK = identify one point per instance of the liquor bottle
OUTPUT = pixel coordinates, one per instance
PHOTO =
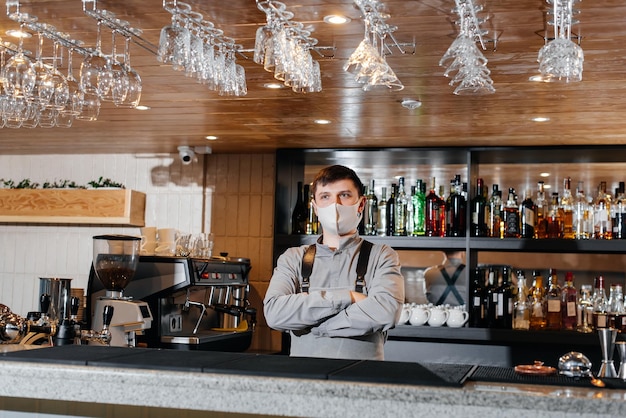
(312, 226)
(442, 213)
(619, 210)
(569, 303)
(491, 299)
(371, 212)
(478, 227)
(541, 228)
(600, 302)
(419, 209)
(602, 228)
(391, 211)
(567, 209)
(457, 210)
(433, 226)
(477, 306)
(511, 216)
(582, 224)
(299, 214)
(527, 211)
(537, 303)
(554, 319)
(617, 315)
(495, 212)
(504, 309)
(521, 309)
(584, 317)
(401, 204)
(382, 213)
(554, 222)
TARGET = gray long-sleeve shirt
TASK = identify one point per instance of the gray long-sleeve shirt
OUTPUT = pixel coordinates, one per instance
(324, 322)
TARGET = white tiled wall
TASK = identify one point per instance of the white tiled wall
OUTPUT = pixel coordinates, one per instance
(27, 252)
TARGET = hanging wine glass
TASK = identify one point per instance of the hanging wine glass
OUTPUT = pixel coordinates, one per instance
(118, 82)
(133, 86)
(18, 72)
(61, 92)
(43, 89)
(73, 87)
(93, 65)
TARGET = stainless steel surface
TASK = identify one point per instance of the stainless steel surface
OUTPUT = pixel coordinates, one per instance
(607, 346)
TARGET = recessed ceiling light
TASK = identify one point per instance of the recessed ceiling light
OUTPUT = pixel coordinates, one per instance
(544, 174)
(142, 107)
(336, 19)
(273, 85)
(411, 103)
(211, 137)
(322, 121)
(540, 119)
(16, 33)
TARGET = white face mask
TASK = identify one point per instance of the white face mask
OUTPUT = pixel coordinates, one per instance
(339, 219)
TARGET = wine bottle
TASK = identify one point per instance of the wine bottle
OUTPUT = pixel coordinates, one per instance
(491, 299)
(495, 213)
(299, 214)
(504, 310)
(391, 211)
(582, 223)
(602, 228)
(554, 221)
(567, 209)
(478, 226)
(477, 306)
(456, 210)
(527, 210)
(541, 226)
(419, 209)
(401, 210)
(599, 300)
(433, 227)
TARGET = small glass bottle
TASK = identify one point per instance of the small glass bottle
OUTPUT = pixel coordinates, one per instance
(537, 303)
(419, 209)
(600, 304)
(619, 210)
(456, 210)
(521, 311)
(616, 307)
(312, 225)
(569, 302)
(602, 223)
(504, 309)
(391, 211)
(491, 299)
(553, 303)
(478, 205)
(554, 221)
(585, 310)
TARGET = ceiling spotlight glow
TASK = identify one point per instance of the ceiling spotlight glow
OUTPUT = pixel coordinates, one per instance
(16, 33)
(540, 119)
(142, 107)
(336, 19)
(322, 121)
(544, 174)
(211, 137)
(411, 103)
(273, 86)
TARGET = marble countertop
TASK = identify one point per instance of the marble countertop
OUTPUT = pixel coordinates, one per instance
(247, 394)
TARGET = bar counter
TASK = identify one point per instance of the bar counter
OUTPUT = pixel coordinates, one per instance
(277, 390)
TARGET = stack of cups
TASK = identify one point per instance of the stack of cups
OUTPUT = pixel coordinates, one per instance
(166, 242)
(148, 240)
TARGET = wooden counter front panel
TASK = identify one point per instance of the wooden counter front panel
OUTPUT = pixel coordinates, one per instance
(73, 206)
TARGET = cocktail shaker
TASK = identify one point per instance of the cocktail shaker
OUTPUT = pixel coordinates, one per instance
(621, 349)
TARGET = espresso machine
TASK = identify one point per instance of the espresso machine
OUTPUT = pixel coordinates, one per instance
(115, 261)
(198, 303)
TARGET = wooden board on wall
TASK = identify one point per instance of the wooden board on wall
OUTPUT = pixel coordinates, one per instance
(73, 206)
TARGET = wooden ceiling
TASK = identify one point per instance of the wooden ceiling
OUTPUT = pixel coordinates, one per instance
(184, 112)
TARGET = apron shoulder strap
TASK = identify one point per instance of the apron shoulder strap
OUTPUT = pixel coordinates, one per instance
(361, 265)
(307, 266)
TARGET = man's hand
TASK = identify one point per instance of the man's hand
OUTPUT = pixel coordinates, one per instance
(356, 296)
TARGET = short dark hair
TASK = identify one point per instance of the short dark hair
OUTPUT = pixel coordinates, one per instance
(335, 173)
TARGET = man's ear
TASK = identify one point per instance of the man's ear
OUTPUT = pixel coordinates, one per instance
(314, 206)
(362, 204)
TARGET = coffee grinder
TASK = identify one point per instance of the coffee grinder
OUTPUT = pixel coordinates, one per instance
(115, 260)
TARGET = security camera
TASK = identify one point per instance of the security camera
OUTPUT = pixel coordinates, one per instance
(186, 154)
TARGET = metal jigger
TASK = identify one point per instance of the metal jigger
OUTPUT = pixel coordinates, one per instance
(607, 344)
(621, 349)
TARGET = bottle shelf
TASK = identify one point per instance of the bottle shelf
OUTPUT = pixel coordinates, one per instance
(477, 244)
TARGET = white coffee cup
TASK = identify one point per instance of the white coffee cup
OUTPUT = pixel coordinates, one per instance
(457, 318)
(148, 233)
(438, 316)
(166, 235)
(419, 315)
(148, 247)
(165, 249)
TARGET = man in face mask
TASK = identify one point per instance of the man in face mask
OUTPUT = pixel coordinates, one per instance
(330, 315)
